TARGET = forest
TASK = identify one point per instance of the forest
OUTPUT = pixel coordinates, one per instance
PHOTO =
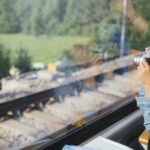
(67, 17)
(54, 26)
(47, 28)
(53, 17)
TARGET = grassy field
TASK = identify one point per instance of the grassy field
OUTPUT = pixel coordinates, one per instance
(42, 49)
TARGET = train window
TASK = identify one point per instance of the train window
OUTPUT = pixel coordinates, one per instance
(65, 62)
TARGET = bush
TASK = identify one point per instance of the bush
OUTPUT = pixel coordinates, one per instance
(23, 61)
(4, 62)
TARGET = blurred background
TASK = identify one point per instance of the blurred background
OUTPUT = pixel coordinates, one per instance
(68, 59)
(34, 33)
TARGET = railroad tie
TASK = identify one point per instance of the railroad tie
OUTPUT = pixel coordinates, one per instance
(3, 144)
(19, 128)
(43, 118)
(127, 80)
(99, 97)
(60, 109)
(79, 105)
(118, 86)
(111, 91)
(78, 101)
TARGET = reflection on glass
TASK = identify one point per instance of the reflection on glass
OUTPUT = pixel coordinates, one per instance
(72, 47)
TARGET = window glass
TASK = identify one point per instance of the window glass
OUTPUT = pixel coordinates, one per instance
(72, 60)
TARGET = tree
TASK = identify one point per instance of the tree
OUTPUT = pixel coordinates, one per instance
(138, 31)
(51, 17)
(23, 61)
(86, 14)
(61, 9)
(9, 21)
(4, 62)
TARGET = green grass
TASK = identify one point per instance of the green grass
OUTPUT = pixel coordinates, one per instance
(42, 49)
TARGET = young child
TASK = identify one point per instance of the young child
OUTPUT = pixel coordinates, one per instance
(143, 102)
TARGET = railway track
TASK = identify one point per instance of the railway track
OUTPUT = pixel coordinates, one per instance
(32, 124)
(46, 114)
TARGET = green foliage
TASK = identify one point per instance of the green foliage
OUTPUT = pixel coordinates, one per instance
(4, 62)
(142, 8)
(59, 17)
(23, 61)
(64, 18)
(9, 21)
(96, 18)
(135, 39)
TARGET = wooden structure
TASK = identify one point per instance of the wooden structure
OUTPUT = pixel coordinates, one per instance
(144, 140)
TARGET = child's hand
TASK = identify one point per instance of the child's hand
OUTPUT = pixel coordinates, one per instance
(144, 75)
